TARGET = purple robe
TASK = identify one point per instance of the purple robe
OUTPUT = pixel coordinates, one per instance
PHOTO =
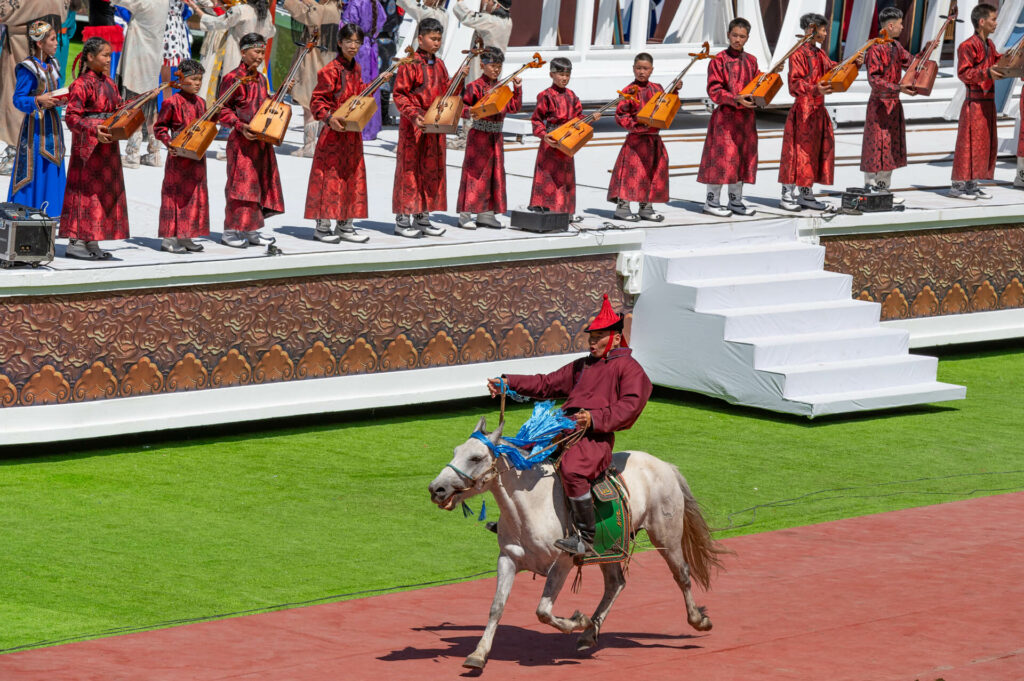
(370, 16)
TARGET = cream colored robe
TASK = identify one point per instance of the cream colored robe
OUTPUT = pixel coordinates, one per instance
(494, 31)
(139, 68)
(224, 55)
(312, 15)
(419, 12)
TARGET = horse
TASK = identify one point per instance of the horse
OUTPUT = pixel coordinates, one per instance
(534, 513)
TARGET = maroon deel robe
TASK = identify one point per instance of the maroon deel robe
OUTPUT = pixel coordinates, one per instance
(730, 148)
(885, 130)
(337, 180)
(554, 176)
(614, 390)
(641, 170)
(184, 198)
(808, 143)
(253, 188)
(976, 144)
(483, 168)
(94, 201)
(420, 185)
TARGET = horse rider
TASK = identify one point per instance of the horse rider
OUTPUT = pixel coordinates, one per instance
(604, 392)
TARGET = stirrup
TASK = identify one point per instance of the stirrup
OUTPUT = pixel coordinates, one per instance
(574, 545)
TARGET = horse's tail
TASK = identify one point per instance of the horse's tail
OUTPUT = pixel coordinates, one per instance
(700, 550)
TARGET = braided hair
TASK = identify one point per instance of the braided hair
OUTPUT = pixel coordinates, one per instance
(262, 8)
(90, 48)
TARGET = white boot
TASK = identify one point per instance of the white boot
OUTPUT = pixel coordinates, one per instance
(883, 181)
(788, 201)
(1018, 180)
(132, 151)
(736, 204)
(713, 204)
(310, 134)
(869, 181)
(959, 190)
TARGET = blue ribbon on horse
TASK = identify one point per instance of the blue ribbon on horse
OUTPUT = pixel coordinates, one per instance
(535, 437)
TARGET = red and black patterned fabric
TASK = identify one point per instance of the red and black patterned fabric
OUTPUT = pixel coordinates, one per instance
(253, 189)
(420, 183)
(94, 201)
(483, 168)
(337, 180)
(184, 198)
(641, 169)
(808, 143)
(975, 155)
(884, 144)
(554, 175)
(730, 148)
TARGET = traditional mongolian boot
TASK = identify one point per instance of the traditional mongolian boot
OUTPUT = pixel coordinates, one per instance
(346, 231)
(487, 219)
(788, 201)
(171, 245)
(131, 157)
(7, 160)
(623, 212)
(869, 182)
(976, 189)
(959, 190)
(97, 253)
(310, 134)
(152, 157)
(1018, 180)
(883, 183)
(76, 249)
(404, 227)
(189, 245)
(585, 520)
(234, 238)
(648, 213)
(323, 232)
(713, 205)
(424, 224)
(736, 204)
(806, 199)
(466, 221)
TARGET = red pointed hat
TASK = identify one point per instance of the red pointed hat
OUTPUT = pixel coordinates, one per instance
(607, 319)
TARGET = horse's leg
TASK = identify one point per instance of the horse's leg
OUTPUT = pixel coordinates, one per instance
(667, 535)
(506, 576)
(614, 583)
(557, 573)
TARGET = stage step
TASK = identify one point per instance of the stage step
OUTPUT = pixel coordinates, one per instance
(798, 318)
(884, 398)
(807, 348)
(744, 261)
(851, 375)
(766, 289)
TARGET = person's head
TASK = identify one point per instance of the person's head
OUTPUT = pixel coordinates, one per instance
(643, 65)
(739, 33)
(983, 17)
(350, 39)
(190, 76)
(95, 55)
(43, 39)
(819, 23)
(429, 35)
(601, 343)
(491, 61)
(253, 47)
(605, 330)
(890, 20)
(561, 71)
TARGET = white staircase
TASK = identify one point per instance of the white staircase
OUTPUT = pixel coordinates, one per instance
(749, 315)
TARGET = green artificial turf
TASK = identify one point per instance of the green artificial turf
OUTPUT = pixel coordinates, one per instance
(101, 541)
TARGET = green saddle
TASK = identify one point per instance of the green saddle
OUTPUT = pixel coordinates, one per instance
(612, 529)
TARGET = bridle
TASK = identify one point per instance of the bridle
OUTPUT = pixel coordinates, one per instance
(473, 482)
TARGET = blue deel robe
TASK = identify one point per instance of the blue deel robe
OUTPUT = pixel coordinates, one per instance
(38, 177)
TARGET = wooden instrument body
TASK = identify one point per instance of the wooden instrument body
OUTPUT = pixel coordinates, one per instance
(271, 122)
(356, 112)
(763, 88)
(842, 78)
(921, 75)
(193, 145)
(572, 136)
(493, 103)
(444, 115)
(659, 111)
(124, 124)
(1012, 64)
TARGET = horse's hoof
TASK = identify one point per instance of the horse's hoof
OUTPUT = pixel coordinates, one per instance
(588, 639)
(704, 624)
(475, 661)
(580, 621)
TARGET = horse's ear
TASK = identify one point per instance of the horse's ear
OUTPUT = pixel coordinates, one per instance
(496, 435)
(481, 425)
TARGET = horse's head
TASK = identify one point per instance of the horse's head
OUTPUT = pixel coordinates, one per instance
(472, 467)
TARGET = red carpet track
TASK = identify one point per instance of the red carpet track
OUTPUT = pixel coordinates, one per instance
(920, 594)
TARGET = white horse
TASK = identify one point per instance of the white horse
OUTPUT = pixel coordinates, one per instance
(534, 514)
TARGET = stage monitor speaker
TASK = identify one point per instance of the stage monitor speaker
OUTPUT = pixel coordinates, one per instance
(26, 235)
(540, 221)
(864, 201)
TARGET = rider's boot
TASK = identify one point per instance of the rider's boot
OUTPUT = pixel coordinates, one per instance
(583, 517)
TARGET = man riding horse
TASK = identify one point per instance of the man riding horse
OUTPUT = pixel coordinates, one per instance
(605, 393)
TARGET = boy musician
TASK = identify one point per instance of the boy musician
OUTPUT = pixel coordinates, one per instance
(641, 169)
(808, 143)
(975, 155)
(885, 131)
(253, 188)
(730, 149)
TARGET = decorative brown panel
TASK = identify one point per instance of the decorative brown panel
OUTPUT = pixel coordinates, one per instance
(942, 272)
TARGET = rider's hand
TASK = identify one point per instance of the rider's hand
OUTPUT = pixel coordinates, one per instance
(583, 419)
(494, 386)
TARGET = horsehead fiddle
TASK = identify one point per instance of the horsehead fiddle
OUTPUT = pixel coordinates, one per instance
(193, 141)
(841, 76)
(763, 88)
(357, 110)
(660, 111)
(922, 71)
(570, 137)
(271, 121)
(445, 112)
(127, 120)
(498, 97)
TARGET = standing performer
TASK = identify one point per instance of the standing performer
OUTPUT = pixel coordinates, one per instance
(37, 179)
(244, 18)
(325, 15)
(482, 190)
(976, 145)
(253, 189)
(492, 26)
(369, 15)
(427, 9)
(730, 149)
(554, 175)
(184, 198)
(605, 393)
(641, 170)
(884, 145)
(420, 182)
(94, 202)
(140, 72)
(337, 181)
(177, 39)
(808, 143)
